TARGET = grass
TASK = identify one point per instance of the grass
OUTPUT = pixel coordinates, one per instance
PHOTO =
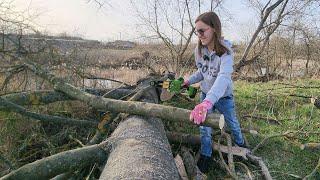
(283, 156)
(272, 100)
(23, 141)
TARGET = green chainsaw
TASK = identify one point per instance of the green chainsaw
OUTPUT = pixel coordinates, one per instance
(171, 87)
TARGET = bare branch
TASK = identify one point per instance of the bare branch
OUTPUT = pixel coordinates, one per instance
(51, 166)
(46, 118)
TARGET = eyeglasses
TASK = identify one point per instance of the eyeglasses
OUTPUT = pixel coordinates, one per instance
(200, 32)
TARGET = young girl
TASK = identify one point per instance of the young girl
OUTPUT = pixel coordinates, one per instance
(214, 60)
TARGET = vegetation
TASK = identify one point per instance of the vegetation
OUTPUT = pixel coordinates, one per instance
(276, 86)
(274, 108)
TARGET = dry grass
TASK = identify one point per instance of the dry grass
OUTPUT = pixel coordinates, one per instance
(124, 74)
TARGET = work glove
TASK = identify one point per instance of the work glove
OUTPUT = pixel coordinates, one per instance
(199, 113)
(185, 84)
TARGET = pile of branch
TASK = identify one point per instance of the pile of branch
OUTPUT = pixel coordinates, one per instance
(137, 148)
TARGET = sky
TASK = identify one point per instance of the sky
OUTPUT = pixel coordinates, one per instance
(116, 20)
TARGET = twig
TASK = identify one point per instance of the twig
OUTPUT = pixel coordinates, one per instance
(77, 140)
(314, 171)
(112, 90)
(263, 118)
(224, 163)
(270, 137)
(248, 172)
(94, 166)
(45, 118)
(230, 155)
(258, 161)
(7, 162)
(287, 174)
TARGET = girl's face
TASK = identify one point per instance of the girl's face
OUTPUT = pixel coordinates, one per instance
(204, 33)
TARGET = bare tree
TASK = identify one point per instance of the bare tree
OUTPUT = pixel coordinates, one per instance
(173, 23)
(272, 15)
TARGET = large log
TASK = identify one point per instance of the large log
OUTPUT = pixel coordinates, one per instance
(140, 150)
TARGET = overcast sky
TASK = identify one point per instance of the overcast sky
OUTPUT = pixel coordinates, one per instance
(115, 20)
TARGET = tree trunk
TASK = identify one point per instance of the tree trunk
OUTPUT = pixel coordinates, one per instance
(140, 150)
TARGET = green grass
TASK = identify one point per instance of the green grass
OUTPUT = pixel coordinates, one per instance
(283, 156)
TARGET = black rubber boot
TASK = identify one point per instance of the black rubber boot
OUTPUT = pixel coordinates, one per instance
(204, 163)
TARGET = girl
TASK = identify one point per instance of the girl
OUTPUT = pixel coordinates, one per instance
(214, 60)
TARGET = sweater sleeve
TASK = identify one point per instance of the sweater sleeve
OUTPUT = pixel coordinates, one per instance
(223, 79)
(196, 76)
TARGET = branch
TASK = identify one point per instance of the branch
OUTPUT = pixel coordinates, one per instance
(270, 137)
(258, 161)
(266, 14)
(47, 96)
(312, 146)
(314, 171)
(227, 168)
(190, 165)
(65, 161)
(6, 161)
(117, 106)
(195, 140)
(270, 120)
(46, 118)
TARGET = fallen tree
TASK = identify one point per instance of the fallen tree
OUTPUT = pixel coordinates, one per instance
(142, 141)
(138, 147)
(141, 151)
(119, 106)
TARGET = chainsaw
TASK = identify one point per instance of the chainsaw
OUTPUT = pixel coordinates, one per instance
(171, 87)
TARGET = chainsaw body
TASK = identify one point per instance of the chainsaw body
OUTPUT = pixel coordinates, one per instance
(174, 86)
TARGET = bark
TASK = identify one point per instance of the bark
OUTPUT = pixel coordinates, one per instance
(117, 106)
(66, 161)
(140, 151)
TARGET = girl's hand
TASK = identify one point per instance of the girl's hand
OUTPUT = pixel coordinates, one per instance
(199, 113)
(185, 84)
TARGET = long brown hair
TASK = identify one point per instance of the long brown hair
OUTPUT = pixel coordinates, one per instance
(211, 19)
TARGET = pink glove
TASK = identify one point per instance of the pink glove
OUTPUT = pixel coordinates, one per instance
(185, 84)
(199, 113)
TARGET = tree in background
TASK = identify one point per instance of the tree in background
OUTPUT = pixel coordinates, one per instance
(275, 17)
